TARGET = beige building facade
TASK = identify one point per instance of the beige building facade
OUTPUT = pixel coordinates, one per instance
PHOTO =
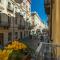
(13, 22)
(53, 11)
(37, 22)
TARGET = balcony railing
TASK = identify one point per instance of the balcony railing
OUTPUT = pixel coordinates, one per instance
(4, 24)
(10, 9)
(30, 27)
(19, 1)
(47, 51)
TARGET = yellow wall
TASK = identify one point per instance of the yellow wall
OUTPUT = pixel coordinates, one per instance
(56, 24)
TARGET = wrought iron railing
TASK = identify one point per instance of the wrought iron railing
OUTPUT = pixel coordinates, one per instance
(5, 24)
(47, 51)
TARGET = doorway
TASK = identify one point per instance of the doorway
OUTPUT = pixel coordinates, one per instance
(1, 39)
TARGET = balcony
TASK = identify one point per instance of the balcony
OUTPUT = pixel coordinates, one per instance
(1, 6)
(22, 13)
(30, 27)
(19, 1)
(10, 7)
(21, 27)
(4, 25)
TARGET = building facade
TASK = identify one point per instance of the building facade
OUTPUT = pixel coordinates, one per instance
(26, 12)
(37, 22)
(54, 24)
(48, 10)
(7, 15)
(13, 20)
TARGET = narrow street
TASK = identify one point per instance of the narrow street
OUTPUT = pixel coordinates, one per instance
(29, 29)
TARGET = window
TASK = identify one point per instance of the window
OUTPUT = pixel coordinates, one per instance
(20, 35)
(9, 4)
(21, 21)
(16, 35)
(9, 19)
(1, 38)
(16, 20)
(29, 33)
(10, 7)
(24, 33)
(9, 36)
(0, 17)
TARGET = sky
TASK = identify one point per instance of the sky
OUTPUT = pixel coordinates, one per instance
(38, 6)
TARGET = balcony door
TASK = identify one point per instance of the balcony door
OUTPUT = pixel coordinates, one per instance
(0, 17)
(20, 35)
(1, 39)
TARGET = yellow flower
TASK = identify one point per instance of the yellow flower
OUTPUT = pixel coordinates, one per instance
(8, 49)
